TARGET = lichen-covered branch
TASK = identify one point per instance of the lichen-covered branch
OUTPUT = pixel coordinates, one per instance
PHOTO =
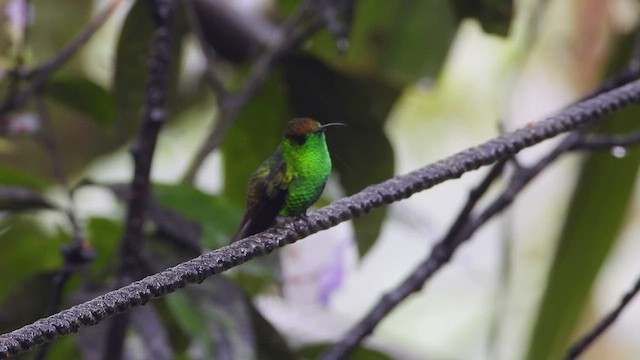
(394, 189)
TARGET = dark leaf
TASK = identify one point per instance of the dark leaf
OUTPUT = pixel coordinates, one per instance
(214, 217)
(28, 250)
(130, 78)
(254, 136)
(494, 15)
(83, 95)
(233, 34)
(362, 104)
(402, 40)
(17, 198)
(131, 65)
(26, 302)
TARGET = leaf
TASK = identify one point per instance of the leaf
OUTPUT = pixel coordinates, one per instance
(53, 29)
(494, 15)
(218, 218)
(18, 198)
(254, 136)
(27, 302)
(104, 235)
(361, 151)
(27, 250)
(595, 218)
(131, 69)
(83, 95)
(11, 177)
(225, 322)
(401, 40)
(132, 64)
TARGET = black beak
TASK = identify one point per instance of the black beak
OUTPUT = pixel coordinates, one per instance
(325, 126)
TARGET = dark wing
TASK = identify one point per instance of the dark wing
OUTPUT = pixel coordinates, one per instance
(265, 197)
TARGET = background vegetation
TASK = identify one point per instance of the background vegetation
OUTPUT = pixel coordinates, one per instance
(199, 91)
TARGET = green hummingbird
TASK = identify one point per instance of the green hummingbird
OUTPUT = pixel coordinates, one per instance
(290, 180)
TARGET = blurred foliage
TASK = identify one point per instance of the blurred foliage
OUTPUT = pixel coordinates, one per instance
(363, 105)
(218, 218)
(494, 15)
(400, 40)
(312, 352)
(85, 96)
(255, 135)
(582, 249)
(394, 45)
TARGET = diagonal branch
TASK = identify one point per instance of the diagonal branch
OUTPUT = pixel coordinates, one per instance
(461, 230)
(43, 72)
(608, 142)
(394, 189)
(587, 340)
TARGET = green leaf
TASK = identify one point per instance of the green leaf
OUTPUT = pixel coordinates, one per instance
(402, 40)
(26, 250)
(55, 29)
(132, 64)
(104, 235)
(254, 136)
(218, 218)
(84, 96)
(593, 224)
(11, 177)
(131, 67)
(362, 104)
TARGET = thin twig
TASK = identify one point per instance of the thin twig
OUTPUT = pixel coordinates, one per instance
(213, 78)
(142, 153)
(414, 283)
(44, 71)
(461, 230)
(587, 340)
(607, 142)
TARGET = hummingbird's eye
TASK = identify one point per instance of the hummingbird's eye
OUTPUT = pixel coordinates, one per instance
(298, 139)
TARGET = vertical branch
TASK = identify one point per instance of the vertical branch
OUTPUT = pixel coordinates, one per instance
(142, 153)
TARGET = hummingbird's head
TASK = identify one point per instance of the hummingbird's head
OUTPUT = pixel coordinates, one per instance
(298, 130)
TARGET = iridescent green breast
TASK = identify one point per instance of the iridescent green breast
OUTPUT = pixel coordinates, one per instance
(309, 166)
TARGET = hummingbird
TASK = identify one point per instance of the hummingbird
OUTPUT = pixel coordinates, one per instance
(290, 180)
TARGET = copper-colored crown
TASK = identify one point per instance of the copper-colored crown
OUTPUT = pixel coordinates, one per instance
(301, 127)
